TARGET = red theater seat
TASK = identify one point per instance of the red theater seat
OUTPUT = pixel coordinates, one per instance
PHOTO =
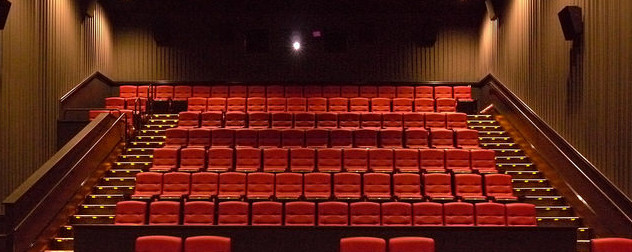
(483, 161)
(338, 104)
(435, 120)
(293, 138)
(175, 185)
(269, 138)
(406, 92)
(392, 120)
(347, 186)
(128, 91)
(611, 244)
(403, 105)
(260, 186)
(428, 214)
(196, 104)
(201, 91)
(413, 120)
(466, 138)
(164, 213)
(329, 160)
(317, 104)
(313, 91)
(387, 91)
(349, 120)
(138, 103)
(370, 120)
(349, 91)
(362, 244)
(207, 243)
(275, 91)
(377, 186)
(438, 186)
(490, 214)
(302, 160)
(333, 213)
(282, 120)
(219, 91)
(163, 92)
(432, 160)
(499, 187)
(381, 105)
(218, 104)
(391, 138)
(365, 138)
(115, 103)
(331, 91)
(355, 160)
(258, 120)
(381, 160)
(456, 120)
(235, 119)
(235, 104)
(317, 186)
(220, 159)
(469, 187)
(192, 159)
(267, 213)
(130, 213)
(289, 186)
(458, 214)
(368, 91)
(256, 91)
(407, 244)
(416, 138)
(442, 138)
(521, 214)
(446, 105)
(457, 161)
(359, 104)
(256, 104)
(407, 160)
(424, 105)
(165, 159)
(275, 160)
(189, 119)
(462, 93)
(300, 213)
(317, 138)
(158, 243)
(277, 104)
(233, 213)
(296, 104)
(237, 91)
(443, 92)
(211, 119)
(176, 137)
(341, 137)
(232, 185)
(222, 138)
(327, 120)
(424, 92)
(246, 138)
(181, 93)
(396, 214)
(407, 186)
(204, 185)
(293, 91)
(364, 214)
(304, 120)
(248, 159)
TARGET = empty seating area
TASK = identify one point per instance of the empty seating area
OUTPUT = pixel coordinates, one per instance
(324, 213)
(175, 244)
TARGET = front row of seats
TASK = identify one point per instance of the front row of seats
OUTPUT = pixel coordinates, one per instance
(397, 244)
(327, 213)
(162, 243)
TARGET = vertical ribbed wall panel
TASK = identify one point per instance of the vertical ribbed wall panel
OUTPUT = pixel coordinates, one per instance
(393, 57)
(583, 91)
(47, 48)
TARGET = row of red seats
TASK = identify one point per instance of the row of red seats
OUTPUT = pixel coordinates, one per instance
(182, 92)
(397, 244)
(315, 104)
(162, 243)
(191, 119)
(248, 159)
(323, 186)
(322, 138)
(328, 213)
(131, 103)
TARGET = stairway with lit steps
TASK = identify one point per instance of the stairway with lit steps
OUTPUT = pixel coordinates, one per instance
(529, 183)
(99, 207)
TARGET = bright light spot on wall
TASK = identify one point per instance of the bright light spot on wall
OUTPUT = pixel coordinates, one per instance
(296, 45)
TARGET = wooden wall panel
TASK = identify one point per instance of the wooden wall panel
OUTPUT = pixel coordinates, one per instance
(582, 90)
(47, 48)
(393, 57)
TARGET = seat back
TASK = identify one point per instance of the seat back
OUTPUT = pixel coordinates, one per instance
(176, 183)
(338, 104)
(288, 185)
(256, 104)
(424, 92)
(235, 119)
(341, 137)
(317, 185)
(267, 213)
(176, 137)
(362, 244)
(220, 159)
(232, 185)
(376, 186)
(317, 138)
(381, 160)
(405, 244)
(269, 138)
(199, 213)
(154, 243)
(347, 185)
(406, 160)
(490, 214)
(217, 104)
(248, 159)
(207, 243)
(458, 214)
(302, 159)
(275, 160)
(300, 213)
(204, 185)
(212, 119)
(293, 138)
(333, 213)
(521, 214)
(428, 214)
(407, 186)
(364, 214)
(396, 214)
(148, 184)
(233, 213)
(381, 104)
(359, 104)
(130, 213)
(164, 213)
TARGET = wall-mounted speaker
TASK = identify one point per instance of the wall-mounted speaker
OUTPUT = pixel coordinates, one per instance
(4, 12)
(571, 21)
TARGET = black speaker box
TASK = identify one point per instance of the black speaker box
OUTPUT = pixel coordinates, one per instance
(4, 12)
(571, 21)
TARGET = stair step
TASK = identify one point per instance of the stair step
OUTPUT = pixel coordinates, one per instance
(123, 172)
(552, 211)
(521, 183)
(132, 165)
(515, 166)
(162, 115)
(481, 116)
(512, 159)
(584, 233)
(489, 131)
(502, 145)
(118, 181)
(92, 219)
(583, 246)
(559, 221)
(66, 231)
(135, 158)
(113, 189)
(104, 209)
(524, 174)
(545, 200)
(158, 126)
(536, 191)
(152, 132)
(150, 138)
(507, 152)
(103, 198)
(65, 243)
(145, 144)
(494, 139)
(163, 120)
(140, 151)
